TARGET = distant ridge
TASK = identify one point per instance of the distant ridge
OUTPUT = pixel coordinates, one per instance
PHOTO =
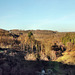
(3, 30)
(16, 31)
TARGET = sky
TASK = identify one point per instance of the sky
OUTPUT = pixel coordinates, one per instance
(56, 15)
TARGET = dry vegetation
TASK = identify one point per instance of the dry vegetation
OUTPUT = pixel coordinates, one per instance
(40, 45)
(43, 42)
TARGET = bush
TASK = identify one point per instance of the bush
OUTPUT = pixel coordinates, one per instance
(30, 34)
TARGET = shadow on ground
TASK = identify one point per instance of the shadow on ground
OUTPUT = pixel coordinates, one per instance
(12, 62)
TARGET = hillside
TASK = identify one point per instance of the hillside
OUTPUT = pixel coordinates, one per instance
(46, 39)
(38, 45)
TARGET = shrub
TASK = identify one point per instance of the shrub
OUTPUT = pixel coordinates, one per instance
(30, 34)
